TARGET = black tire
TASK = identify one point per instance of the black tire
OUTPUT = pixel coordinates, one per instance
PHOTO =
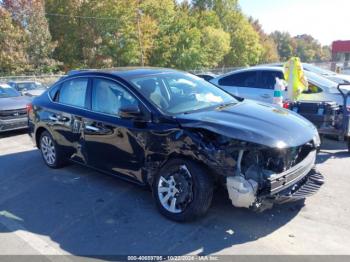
(200, 189)
(349, 144)
(58, 160)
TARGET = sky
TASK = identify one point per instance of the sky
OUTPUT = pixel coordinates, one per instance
(325, 20)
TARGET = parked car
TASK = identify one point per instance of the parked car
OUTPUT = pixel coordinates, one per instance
(28, 88)
(258, 83)
(13, 113)
(178, 134)
(207, 76)
(335, 77)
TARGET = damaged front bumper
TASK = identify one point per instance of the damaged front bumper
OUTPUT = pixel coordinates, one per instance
(302, 189)
(294, 184)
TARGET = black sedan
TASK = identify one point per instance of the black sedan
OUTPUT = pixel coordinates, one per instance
(178, 134)
(13, 109)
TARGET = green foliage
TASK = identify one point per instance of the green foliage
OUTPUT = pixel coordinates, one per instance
(13, 45)
(285, 44)
(44, 35)
(30, 16)
(305, 47)
(245, 43)
(269, 47)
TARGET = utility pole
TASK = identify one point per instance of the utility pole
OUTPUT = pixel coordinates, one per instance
(139, 13)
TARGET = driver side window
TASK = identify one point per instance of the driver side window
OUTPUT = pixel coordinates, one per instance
(108, 97)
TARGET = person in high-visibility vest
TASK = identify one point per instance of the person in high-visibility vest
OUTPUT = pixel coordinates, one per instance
(294, 75)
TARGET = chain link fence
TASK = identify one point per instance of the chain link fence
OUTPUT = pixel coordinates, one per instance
(45, 80)
(217, 71)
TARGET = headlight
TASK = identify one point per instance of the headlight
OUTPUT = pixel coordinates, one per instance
(317, 139)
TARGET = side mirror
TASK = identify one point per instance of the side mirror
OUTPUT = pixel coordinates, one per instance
(130, 112)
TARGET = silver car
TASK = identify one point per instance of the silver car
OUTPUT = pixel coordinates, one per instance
(257, 83)
(335, 77)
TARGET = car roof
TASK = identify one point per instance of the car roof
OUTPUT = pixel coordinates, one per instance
(253, 68)
(124, 72)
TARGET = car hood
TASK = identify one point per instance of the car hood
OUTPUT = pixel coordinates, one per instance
(344, 77)
(11, 103)
(254, 122)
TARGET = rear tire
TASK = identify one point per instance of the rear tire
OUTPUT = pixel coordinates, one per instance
(50, 152)
(183, 190)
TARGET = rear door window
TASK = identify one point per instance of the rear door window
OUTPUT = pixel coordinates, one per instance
(244, 79)
(73, 92)
(267, 79)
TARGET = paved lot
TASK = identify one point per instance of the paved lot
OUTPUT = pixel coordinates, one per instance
(75, 210)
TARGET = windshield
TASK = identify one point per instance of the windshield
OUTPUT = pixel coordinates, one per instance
(7, 91)
(29, 86)
(177, 93)
(320, 80)
(317, 70)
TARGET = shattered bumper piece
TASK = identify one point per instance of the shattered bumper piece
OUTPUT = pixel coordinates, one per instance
(306, 187)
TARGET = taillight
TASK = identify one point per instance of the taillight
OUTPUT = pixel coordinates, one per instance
(29, 108)
(286, 105)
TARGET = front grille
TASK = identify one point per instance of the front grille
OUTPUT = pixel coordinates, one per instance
(306, 187)
(13, 114)
(279, 182)
(279, 160)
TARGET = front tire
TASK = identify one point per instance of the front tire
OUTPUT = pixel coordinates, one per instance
(50, 151)
(183, 190)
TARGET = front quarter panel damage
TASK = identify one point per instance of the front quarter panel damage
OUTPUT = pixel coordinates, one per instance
(215, 151)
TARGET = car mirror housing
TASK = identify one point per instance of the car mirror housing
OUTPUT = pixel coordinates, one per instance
(130, 112)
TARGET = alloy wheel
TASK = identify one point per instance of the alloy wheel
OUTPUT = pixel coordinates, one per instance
(175, 190)
(48, 150)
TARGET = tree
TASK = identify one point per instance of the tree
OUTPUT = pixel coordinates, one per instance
(67, 31)
(310, 50)
(285, 44)
(245, 43)
(269, 48)
(30, 15)
(215, 45)
(303, 46)
(245, 48)
(13, 45)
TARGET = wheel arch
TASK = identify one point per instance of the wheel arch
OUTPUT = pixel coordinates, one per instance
(175, 155)
(38, 133)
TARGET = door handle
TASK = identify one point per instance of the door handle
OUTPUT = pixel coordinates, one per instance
(62, 118)
(265, 96)
(58, 118)
(92, 128)
(53, 118)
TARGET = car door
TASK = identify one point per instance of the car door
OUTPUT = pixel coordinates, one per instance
(242, 84)
(64, 116)
(266, 83)
(113, 144)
